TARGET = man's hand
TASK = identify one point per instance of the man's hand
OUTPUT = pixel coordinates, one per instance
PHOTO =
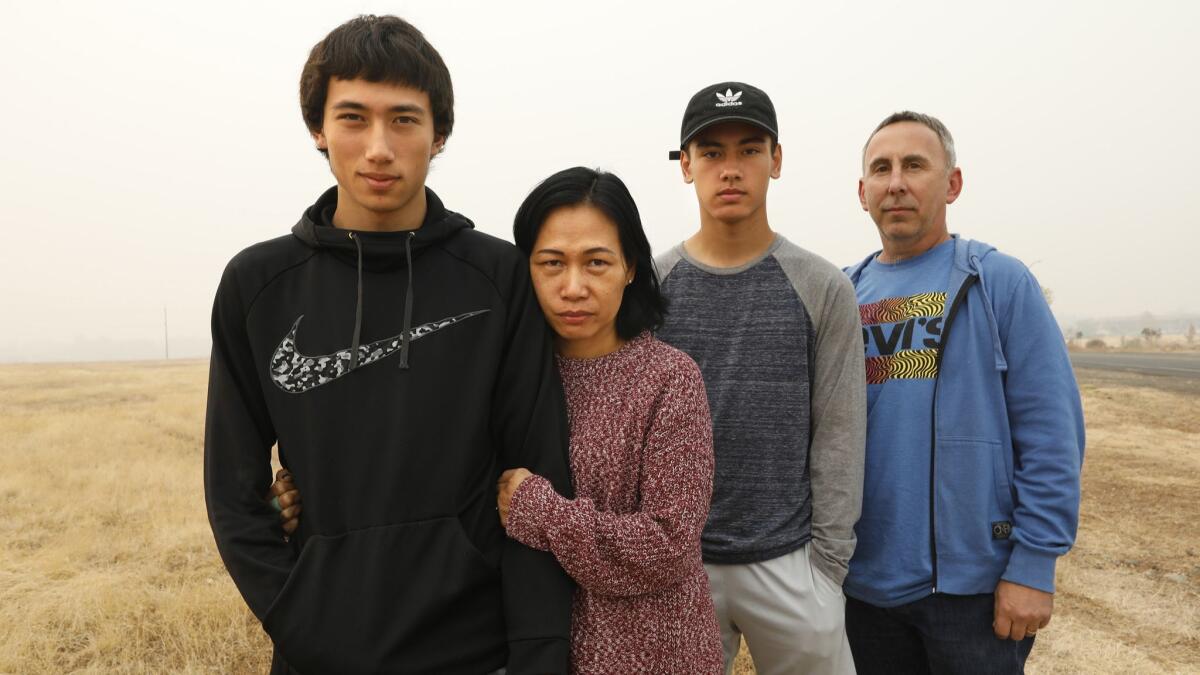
(509, 482)
(286, 498)
(1020, 611)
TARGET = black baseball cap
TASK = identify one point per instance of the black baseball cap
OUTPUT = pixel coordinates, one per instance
(727, 102)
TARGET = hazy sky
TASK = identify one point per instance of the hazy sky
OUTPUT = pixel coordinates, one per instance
(147, 143)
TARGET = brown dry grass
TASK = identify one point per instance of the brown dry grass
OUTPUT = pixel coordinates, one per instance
(1129, 593)
(107, 563)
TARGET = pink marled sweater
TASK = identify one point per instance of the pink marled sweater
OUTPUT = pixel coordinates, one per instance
(642, 461)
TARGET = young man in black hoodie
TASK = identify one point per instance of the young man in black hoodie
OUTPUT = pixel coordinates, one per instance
(399, 360)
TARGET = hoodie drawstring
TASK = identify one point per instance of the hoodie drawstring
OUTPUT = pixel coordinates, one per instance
(357, 308)
(408, 303)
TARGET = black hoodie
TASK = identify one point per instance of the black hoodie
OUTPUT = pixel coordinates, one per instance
(400, 563)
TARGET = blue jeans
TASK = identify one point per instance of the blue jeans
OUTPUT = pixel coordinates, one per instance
(938, 634)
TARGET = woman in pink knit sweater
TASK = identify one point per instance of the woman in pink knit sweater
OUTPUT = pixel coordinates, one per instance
(640, 441)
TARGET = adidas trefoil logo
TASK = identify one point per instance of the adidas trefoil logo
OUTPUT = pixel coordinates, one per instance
(728, 98)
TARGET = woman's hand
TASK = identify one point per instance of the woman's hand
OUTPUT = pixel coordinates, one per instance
(509, 482)
(286, 499)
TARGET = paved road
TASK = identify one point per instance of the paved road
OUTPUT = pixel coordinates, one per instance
(1173, 365)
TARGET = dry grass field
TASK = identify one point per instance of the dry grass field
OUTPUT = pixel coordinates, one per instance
(107, 563)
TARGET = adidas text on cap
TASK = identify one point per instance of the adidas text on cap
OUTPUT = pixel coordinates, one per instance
(727, 102)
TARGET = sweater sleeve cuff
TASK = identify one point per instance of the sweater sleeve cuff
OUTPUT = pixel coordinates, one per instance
(541, 656)
(1031, 568)
(531, 506)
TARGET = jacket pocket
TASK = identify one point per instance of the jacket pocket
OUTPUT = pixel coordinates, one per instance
(415, 597)
(972, 494)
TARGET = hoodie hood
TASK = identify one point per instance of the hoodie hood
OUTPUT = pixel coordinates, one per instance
(315, 228)
(968, 260)
(378, 251)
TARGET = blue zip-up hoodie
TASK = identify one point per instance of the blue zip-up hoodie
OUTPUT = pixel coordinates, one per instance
(1008, 437)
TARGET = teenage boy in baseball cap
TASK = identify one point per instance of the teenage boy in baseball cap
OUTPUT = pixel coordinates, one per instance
(776, 332)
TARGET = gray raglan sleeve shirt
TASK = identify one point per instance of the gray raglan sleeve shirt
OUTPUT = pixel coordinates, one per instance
(780, 344)
(837, 450)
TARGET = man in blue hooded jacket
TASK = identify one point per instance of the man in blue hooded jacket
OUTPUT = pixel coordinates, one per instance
(975, 430)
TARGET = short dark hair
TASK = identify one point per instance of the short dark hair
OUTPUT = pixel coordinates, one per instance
(643, 306)
(376, 49)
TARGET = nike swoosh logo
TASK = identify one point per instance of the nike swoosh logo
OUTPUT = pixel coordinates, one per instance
(297, 373)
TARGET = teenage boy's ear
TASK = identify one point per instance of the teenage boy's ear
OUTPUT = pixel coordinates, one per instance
(685, 166)
(439, 143)
(319, 138)
(776, 160)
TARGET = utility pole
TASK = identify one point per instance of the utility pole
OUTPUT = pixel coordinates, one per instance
(166, 338)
